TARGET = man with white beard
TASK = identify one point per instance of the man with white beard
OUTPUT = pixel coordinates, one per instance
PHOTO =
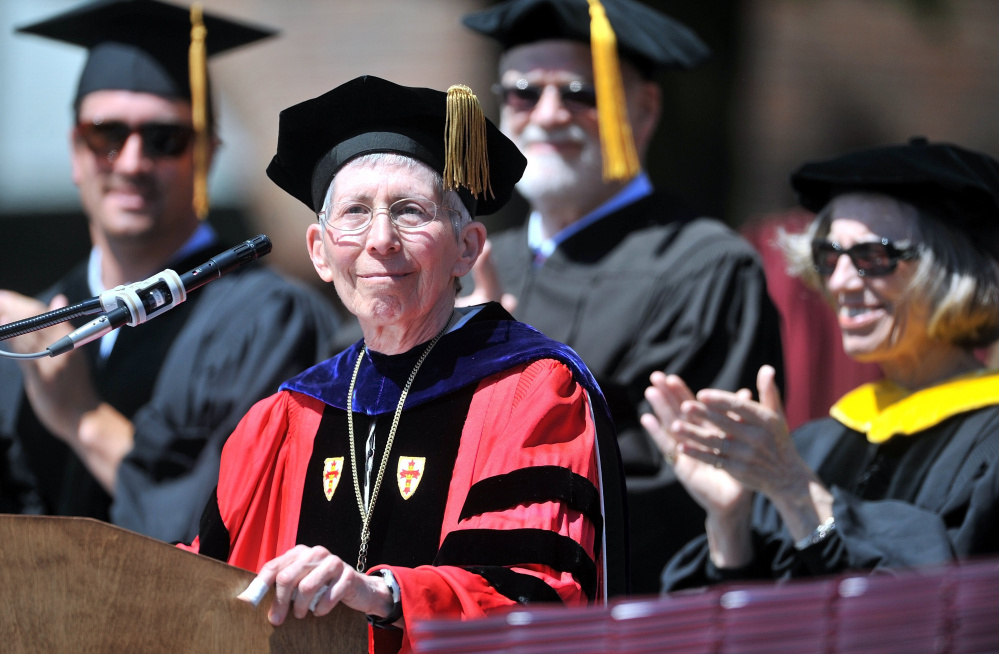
(623, 273)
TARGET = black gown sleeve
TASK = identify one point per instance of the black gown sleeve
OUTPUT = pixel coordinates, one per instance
(18, 487)
(247, 335)
(938, 508)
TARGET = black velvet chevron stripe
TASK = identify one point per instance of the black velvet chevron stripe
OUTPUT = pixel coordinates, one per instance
(536, 485)
(468, 547)
(213, 535)
(521, 588)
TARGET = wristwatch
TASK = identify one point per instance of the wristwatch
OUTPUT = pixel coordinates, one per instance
(389, 620)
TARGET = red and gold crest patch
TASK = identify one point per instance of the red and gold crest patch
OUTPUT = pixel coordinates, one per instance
(410, 473)
(332, 468)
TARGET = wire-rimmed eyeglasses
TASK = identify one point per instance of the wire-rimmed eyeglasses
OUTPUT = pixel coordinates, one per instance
(353, 216)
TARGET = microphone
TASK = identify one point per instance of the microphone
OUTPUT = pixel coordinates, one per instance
(134, 304)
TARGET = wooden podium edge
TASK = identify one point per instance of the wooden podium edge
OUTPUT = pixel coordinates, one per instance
(81, 585)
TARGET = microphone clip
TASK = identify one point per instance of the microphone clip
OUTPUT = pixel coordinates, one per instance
(146, 299)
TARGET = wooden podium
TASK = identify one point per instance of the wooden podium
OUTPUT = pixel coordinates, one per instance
(80, 585)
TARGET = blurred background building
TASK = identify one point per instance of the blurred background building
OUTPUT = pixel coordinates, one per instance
(791, 80)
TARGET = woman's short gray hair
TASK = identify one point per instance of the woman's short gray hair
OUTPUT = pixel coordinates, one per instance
(957, 279)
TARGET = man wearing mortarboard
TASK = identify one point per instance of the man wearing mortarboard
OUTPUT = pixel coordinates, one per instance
(618, 270)
(130, 428)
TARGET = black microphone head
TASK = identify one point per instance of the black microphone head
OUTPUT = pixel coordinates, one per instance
(261, 245)
(223, 262)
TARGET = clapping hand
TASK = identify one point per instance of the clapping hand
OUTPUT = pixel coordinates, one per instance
(695, 448)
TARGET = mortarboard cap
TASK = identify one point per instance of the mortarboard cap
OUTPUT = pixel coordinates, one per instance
(147, 46)
(949, 182)
(140, 45)
(446, 131)
(648, 39)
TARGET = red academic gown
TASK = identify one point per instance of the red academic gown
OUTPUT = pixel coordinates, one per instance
(531, 417)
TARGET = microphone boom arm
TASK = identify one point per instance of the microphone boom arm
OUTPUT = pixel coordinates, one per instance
(134, 304)
(49, 318)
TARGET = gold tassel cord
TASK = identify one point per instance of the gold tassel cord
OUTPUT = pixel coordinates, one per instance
(620, 158)
(198, 72)
(466, 155)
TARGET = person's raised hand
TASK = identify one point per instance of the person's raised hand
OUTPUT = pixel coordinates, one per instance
(695, 448)
(760, 452)
(487, 283)
(60, 388)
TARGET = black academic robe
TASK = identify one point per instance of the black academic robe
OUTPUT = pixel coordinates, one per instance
(650, 288)
(921, 499)
(184, 379)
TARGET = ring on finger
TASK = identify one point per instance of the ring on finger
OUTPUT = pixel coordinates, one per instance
(719, 461)
(671, 456)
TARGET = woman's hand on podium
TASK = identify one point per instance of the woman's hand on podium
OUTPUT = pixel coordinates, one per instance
(311, 579)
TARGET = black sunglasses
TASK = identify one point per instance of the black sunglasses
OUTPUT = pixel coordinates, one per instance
(523, 96)
(873, 259)
(158, 139)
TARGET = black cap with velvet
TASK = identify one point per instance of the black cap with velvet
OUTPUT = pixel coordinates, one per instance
(650, 40)
(316, 138)
(959, 187)
(140, 45)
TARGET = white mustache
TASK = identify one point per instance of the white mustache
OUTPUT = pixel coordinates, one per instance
(568, 134)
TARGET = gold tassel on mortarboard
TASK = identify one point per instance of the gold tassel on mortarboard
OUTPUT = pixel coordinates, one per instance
(466, 155)
(616, 140)
(198, 72)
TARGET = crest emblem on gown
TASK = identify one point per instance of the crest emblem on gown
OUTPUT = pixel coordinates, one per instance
(409, 474)
(332, 470)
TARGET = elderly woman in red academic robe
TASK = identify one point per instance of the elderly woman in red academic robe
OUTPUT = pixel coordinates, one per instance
(904, 471)
(452, 462)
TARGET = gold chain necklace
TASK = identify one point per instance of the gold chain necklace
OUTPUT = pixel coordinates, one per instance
(362, 555)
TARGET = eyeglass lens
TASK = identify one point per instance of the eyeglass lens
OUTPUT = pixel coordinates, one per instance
(354, 216)
(523, 96)
(872, 259)
(158, 139)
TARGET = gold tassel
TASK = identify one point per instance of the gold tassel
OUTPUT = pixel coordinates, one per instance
(619, 153)
(198, 72)
(466, 155)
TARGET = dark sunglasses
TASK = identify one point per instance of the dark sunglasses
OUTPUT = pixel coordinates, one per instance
(523, 96)
(158, 139)
(874, 259)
